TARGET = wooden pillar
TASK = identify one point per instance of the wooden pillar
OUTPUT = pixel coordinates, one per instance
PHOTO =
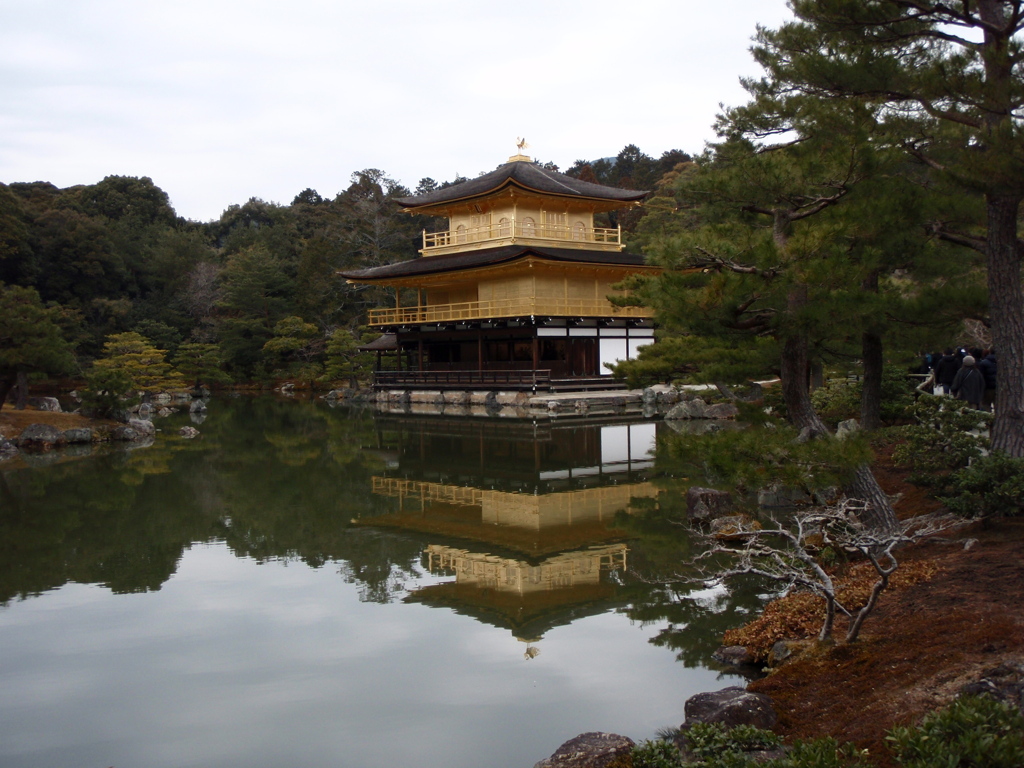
(536, 351)
(419, 354)
(480, 350)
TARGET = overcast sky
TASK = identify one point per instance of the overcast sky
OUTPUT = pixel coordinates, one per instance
(222, 100)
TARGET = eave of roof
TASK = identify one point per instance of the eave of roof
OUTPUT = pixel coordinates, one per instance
(529, 176)
(455, 262)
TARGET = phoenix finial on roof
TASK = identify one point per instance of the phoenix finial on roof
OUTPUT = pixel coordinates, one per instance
(521, 143)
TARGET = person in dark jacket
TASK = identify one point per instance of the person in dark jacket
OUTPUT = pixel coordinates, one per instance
(969, 384)
(945, 372)
(987, 366)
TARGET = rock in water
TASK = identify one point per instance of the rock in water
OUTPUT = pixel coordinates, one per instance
(39, 437)
(592, 750)
(707, 503)
(188, 432)
(730, 706)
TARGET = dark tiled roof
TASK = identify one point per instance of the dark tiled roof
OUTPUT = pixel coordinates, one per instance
(527, 175)
(382, 342)
(428, 265)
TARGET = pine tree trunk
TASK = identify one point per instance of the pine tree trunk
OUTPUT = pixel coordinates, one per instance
(22, 396)
(795, 372)
(1006, 308)
(6, 383)
(871, 394)
(880, 515)
(796, 393)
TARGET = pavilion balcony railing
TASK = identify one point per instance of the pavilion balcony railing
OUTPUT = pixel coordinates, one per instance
(464, 379)
(512, 230)
(496, 309)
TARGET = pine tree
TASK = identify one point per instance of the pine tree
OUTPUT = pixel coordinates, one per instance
(31, 340)
(133, 355)
(944, 81)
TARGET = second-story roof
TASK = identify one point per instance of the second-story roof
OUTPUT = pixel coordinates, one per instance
(528, 176)
(456, 262)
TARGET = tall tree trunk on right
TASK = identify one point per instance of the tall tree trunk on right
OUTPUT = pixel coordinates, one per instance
(1006, 308)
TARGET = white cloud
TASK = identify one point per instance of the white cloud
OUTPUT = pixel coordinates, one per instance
(222, 100)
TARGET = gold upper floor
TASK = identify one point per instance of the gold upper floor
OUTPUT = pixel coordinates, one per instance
(512, 216)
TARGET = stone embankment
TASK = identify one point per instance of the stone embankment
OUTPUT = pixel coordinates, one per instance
(675, 404)
(134, 427)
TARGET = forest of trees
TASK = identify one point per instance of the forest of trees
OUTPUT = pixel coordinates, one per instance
(254, 293)
(860, 207)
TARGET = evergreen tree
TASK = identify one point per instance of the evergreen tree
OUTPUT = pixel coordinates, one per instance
(31, 340)
(134, 356)
(944, 79)
(201, 364)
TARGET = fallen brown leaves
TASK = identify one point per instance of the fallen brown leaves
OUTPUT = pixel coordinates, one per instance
(799, 615)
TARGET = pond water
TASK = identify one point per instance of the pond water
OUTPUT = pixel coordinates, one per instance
(308, 586)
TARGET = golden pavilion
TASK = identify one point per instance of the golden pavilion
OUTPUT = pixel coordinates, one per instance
(514, 293)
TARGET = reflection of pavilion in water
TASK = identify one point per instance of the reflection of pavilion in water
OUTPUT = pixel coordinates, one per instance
(537, 504)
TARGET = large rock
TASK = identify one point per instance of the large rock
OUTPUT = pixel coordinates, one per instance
(688, 409)
(721, 411)
(196, 406)
(143, 427)
(126, 434)
(79, 435)
(1004, 683)
(592, 750)
(40, 437)
(45, 404)
(730, 706)
(734, 655)
(707, 503)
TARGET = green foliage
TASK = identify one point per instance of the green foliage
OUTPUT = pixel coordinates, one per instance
(944, 438)
(107, 391)
(31, 338)
(656, 754)
(136, 357)
(992, 486)
(344, 360)
(201, 363)
(840, 400)
(699, 359)
(716, 746)
(756, 457)
(972, 732)
(712, 740)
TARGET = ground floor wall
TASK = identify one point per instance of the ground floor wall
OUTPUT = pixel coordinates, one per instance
(562, 348)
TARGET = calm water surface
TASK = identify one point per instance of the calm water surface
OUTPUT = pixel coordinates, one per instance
(308, 586)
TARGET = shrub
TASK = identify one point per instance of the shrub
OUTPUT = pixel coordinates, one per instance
(840, 400)
(973, 732)
(992, 486)
(712, 741)
(657, 754)
(107, 392)
(942, 439)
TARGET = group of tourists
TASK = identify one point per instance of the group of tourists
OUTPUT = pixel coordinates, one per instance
(968, 375)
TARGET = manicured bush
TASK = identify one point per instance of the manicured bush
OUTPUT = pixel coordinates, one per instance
(840, 400)
(992, 486)
(657, 754)
(973, 732)
(945, 438)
